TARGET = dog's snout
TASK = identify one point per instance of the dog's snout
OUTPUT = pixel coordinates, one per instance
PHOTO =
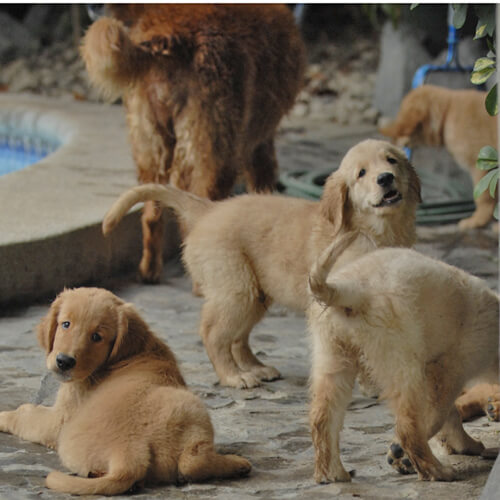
(385, 179)
(65, 362)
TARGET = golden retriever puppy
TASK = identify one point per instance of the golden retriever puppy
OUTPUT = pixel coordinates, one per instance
(423, 328)
(123, 415)
(204, 87)
(456, 119)
(249, 251)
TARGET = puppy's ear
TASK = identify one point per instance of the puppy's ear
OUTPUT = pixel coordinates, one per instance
(46, 329)
(415, 188)
(334, 201)
(132, 334)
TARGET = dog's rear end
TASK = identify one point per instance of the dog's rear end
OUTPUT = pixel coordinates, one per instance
(424, 328)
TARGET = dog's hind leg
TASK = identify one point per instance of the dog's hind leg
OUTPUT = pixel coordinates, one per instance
(414, 437)
(243, 355)
(200, 462)
(454, 438)
(223, 321)
(331, 389)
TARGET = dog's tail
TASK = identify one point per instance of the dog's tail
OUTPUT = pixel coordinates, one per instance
(334, 293)
(188, 207)
(104, 485)
(113, 60)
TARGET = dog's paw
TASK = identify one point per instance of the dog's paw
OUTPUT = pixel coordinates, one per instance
(242, 380)
(493, 408)
(437, 473)
(266, 373)
(338, 476)
(397, 459)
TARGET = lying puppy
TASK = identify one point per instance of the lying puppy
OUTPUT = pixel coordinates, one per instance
(252, 250)
(123, 414)
(456, 119)
(424, 330)
(205, 87)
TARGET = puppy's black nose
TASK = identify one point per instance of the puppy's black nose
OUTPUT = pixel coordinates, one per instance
(385, 179)
(65, 362)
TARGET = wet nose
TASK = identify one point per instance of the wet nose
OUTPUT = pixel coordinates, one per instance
(385, 179)
(65, 362)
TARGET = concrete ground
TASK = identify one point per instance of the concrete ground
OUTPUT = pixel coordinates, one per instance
(267, 425)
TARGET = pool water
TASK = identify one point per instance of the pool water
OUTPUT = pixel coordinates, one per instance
(19, 152)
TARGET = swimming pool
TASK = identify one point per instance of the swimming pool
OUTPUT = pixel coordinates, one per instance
(20, 150)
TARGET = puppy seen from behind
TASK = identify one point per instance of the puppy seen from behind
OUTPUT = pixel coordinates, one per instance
(424, 329)
(205, 87)
(123, 416)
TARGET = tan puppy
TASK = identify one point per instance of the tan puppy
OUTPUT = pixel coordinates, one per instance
(123, 414)
(252, 250)
(205, 87)
(456, 119)
(424, 329)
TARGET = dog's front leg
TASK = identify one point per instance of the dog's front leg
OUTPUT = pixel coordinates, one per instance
(331, 388)
(36, 423)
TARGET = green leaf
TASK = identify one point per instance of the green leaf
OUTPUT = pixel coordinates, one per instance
(484, 67)
(413, 6)
(491, 102)
(487, 158)
(486, 20)
(494, 183)
(481, 30)
(484, 182)
(459, 14)
(495, 213)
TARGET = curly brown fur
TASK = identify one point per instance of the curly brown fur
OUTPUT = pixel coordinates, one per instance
(205, 87)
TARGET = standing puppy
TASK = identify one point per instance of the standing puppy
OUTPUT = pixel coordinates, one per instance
(123, 415)
(423, 328)
(251, 250)
(456, 119)
(204, 87)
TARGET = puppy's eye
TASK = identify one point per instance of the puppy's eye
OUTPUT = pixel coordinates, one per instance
(362, 172)
(96, 337)
(392, 160)
(65, 324)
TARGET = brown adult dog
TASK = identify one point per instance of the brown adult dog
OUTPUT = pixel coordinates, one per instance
(123, 414)
(205, 87)
(456, 119)
(249, 251)
(424, 329)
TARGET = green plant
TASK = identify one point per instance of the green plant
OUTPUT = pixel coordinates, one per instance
(484, 68)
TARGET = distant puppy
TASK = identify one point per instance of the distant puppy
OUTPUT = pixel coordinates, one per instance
(252, 250)
(424, 329)
(123, 414)
(205, 87)
(456, 119)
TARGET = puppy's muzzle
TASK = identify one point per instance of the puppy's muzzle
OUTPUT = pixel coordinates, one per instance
(65, 362)
(391, 196)
(385, 179)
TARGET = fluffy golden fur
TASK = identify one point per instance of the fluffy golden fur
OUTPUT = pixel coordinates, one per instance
(123, 415)
(204, 87)
(424, 330)
(456, 119)
(249, 251)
